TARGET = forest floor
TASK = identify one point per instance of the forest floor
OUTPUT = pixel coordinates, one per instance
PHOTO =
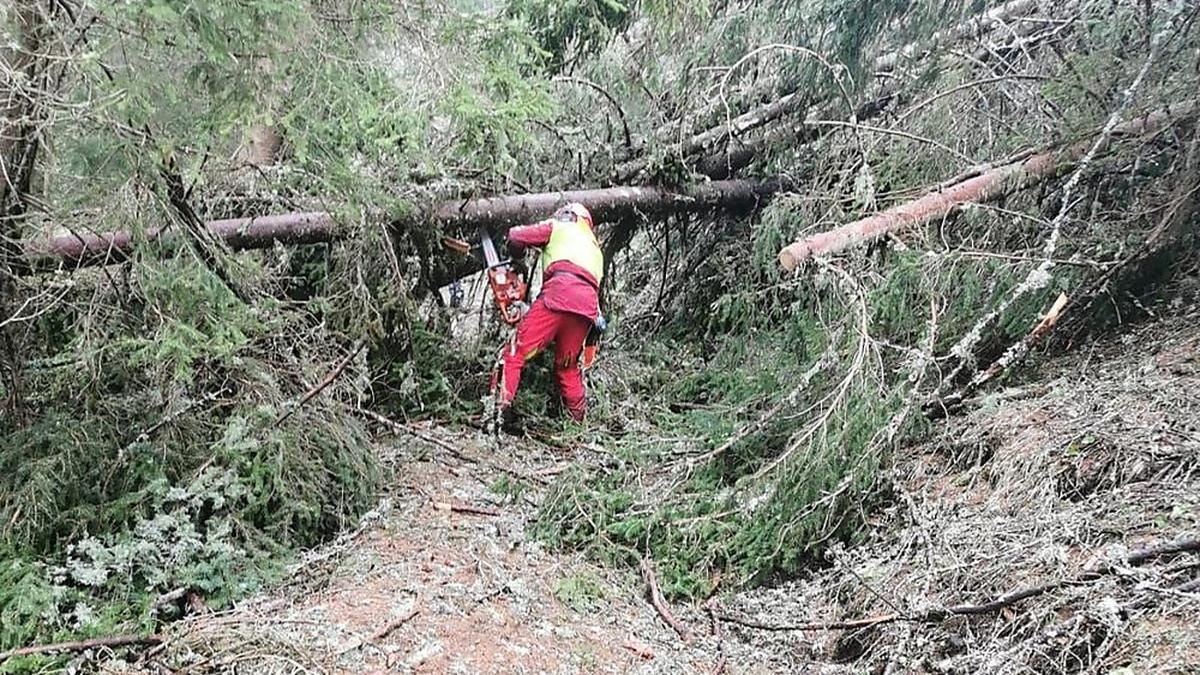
(444, 578)
(1055, 480)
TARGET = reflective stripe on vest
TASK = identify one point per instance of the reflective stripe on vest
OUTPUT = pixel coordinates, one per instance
(574, 242)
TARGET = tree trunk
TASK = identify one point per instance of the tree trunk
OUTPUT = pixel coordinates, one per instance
(987, 186)
(19, 117)
(606, 203)
(18, 114)
(84, 249)
(261, 147)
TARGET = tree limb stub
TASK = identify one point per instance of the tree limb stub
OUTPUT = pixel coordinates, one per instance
(987, 186)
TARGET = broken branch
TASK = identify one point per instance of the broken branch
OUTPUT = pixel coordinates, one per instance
(660, 603)
(396, 623)
(1012, 355)
(83, 645)
(1184, 545)
(333, 375)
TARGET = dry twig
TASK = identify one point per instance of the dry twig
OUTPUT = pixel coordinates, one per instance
(660, 603)
(328, 379)
(711, 608)
(83, 645)
(392, 625)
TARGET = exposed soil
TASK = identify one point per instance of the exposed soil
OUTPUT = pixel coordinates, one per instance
(461, 592)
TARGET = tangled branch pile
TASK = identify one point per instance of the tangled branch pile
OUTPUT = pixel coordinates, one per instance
(780, 398)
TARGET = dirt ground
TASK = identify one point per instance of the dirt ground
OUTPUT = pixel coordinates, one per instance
(443, 578)
(1052, 482)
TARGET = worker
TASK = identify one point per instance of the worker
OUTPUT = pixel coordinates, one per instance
(567, 308)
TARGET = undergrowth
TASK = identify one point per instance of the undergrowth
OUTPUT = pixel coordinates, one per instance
(744, 454)
(158, 458)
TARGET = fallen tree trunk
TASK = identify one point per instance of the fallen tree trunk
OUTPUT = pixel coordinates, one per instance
(976, 26)
(84, 249)
(797, 100)
(606, 203)
(988, 185)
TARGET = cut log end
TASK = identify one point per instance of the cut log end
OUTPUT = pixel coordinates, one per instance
(792, 255)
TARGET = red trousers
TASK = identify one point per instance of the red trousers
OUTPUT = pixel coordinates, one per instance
(537, 330)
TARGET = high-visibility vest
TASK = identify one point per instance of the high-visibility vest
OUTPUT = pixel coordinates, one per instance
(575, 242)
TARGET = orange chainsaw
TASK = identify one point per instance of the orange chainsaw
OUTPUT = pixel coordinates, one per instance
(508, 287)
(591, 344)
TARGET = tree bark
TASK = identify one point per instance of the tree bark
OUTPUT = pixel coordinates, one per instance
(261, 147)
(18, 140)
(605, 203)
(19, 121)
(84, 249)
(18, 145)
(987, 186)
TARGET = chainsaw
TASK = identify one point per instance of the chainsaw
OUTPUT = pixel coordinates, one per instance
(508, 287)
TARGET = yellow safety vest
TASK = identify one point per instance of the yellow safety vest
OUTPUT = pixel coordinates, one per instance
(574, 242)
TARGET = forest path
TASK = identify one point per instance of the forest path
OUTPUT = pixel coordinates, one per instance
(445, 578)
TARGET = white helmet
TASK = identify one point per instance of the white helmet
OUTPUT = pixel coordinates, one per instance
(575, 211)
